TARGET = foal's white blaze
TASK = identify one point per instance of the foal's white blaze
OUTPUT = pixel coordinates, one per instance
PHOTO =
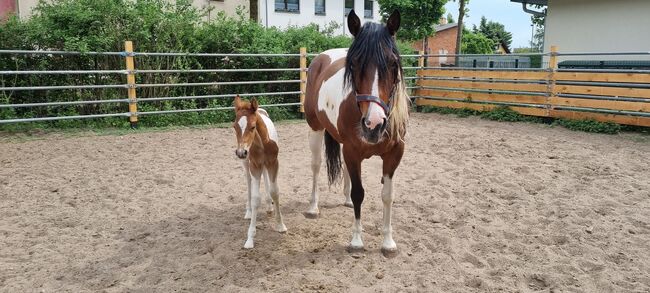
(376, 113)
(332, 92)
(273, 134)
(243, 122)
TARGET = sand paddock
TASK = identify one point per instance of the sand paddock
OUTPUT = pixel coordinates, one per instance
(480, 206)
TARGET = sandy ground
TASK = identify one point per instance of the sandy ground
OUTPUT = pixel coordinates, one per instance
(480, 206)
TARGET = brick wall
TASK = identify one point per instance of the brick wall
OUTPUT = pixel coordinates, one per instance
(443, 42)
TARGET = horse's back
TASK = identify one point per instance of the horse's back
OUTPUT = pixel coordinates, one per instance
(326, 65)
(270, 127)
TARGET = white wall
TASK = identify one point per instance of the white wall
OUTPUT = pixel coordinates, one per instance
(334, 12)
(598, 26)
(25, 7)
(228, 6)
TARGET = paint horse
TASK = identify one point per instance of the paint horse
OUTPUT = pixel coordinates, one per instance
(356, 98)
(257, 147)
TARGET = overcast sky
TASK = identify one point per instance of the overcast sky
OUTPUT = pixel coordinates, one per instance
(508, 13)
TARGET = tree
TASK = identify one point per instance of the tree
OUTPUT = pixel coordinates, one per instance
(461, 14)
(418, 16)
(494, 31)
(476, 43)
(450, 18)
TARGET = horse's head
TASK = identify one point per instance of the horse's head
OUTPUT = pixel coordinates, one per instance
(245, 121)
(373, 72)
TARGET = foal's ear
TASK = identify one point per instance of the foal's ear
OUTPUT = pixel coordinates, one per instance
(237, 102)
(254, 104)
(354, 23)
(393, 22)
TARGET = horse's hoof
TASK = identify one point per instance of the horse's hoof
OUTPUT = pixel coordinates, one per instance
(311, 215)
(355, 249)
(349, 204)
(247, 215)
(389, 252)
(281, 228)
(249, 244)
(269, 212)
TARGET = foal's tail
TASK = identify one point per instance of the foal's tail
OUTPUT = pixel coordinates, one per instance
(332, 158)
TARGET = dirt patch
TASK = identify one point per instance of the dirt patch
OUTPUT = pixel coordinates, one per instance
(480, 206)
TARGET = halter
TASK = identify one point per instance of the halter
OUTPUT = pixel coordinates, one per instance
(377, 100)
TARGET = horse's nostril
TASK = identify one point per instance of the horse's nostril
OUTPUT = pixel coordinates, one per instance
(366, 122)
(245, 152)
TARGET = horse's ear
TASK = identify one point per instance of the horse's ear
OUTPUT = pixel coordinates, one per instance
(354, 23)
(254, 104)
(393, 22)
(237, 102)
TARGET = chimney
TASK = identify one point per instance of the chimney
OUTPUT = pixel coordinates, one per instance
(442, 21)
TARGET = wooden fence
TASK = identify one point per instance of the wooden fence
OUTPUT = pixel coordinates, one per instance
(609, 96)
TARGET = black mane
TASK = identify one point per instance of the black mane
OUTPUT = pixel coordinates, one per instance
(370, 46)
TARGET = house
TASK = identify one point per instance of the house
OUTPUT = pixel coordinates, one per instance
(270, 13)
(442, 42)
(595, 26)
(502, 48)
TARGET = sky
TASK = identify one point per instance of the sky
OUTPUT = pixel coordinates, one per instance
(508, 13)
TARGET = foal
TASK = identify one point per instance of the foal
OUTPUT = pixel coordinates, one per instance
(257, 147)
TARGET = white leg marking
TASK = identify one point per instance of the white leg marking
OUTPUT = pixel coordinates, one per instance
(347, 187)
(279, 224)
(247, 175)
(387, 198)
(316, 146)
(255, 200)
(356, 242)
(267, 191)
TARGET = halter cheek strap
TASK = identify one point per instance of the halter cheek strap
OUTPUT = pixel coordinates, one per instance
(373, 99)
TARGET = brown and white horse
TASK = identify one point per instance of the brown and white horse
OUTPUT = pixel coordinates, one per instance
(356, 97)
(257, 147)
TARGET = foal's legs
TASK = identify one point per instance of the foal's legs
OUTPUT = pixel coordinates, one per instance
(256, 177)
(267, 190)
(247, 175)
(316, 146)
(391, 161)
(357, 193)
(272, 173)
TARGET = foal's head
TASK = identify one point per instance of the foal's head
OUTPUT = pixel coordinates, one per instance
(373, 71)
(245, 122)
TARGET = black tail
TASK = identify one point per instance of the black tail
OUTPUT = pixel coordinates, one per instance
(332, 158)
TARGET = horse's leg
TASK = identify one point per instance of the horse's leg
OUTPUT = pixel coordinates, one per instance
(316, 146)
(347, 188)
(247, 175)
(267, 190)
(391, 161)
(256, 177)
(272, 173)
(353, 163)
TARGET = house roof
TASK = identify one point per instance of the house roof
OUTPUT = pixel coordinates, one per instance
(445, 26)
(537, 2)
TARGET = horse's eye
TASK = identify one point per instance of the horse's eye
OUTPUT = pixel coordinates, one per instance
(252, 127)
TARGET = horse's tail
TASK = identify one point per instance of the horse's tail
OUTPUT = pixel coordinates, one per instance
(332, 158)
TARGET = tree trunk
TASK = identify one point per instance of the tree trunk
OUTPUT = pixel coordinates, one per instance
(459, 36)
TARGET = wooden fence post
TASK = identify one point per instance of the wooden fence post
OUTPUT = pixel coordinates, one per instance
(303, 77)
(418, 108)
(552, 69)
(130, 79)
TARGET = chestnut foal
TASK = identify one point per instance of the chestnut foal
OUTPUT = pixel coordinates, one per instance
(257, 147)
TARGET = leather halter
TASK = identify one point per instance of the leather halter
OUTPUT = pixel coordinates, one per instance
(373, 99)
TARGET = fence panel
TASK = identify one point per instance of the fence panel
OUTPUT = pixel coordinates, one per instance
(620, 96)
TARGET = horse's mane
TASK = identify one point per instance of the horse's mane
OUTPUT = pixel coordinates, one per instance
(370, 46)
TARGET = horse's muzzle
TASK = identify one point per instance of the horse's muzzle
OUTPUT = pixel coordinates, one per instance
(375, 134)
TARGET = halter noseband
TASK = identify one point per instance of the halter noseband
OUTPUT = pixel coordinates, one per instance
(374, 99)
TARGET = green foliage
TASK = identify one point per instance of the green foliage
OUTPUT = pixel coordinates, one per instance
(476, 43)
(450, 18)
(503, 113)
(418, 16)
(463, 112)
(153, 26)
(590, 126)
(494, 31)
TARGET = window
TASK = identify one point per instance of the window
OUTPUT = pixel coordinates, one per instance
(349, 5)
(367, 8)
(287, 5)
(319, 7)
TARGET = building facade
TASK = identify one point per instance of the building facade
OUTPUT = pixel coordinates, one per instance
(442, 42)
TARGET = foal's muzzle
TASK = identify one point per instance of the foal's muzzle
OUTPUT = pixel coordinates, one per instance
(241, 153)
